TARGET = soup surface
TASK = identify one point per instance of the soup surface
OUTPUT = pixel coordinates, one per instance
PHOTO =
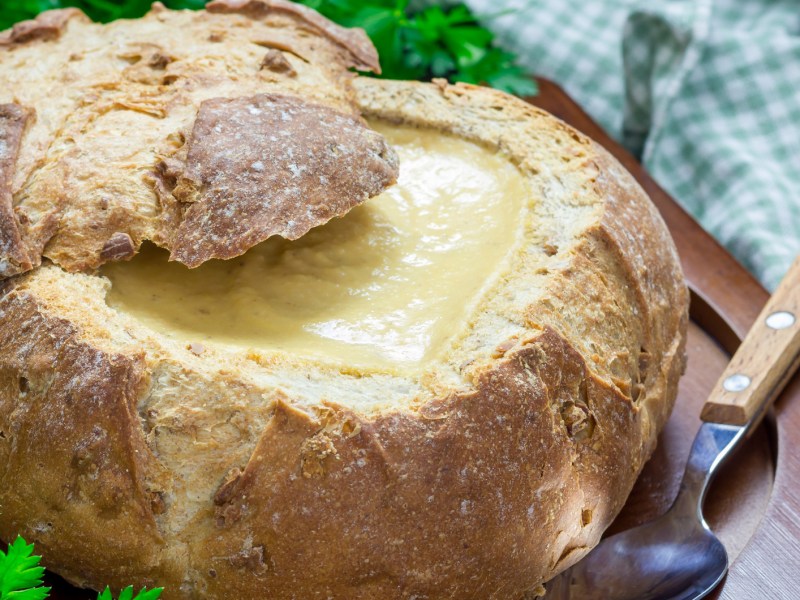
(384, 286)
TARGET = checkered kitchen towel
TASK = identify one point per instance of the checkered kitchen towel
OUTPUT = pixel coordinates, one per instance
(705, 92)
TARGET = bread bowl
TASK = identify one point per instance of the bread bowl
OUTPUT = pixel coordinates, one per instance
(146, 450)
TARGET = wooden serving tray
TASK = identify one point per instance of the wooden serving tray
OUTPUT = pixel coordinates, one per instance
(754, 504)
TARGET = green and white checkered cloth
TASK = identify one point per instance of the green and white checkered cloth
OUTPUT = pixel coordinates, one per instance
(705, 92)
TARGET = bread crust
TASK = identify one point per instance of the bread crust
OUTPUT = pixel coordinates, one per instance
(355, 41)
(131, 459)
(119, 107)
(46, 26)
(14, 120)
(72, 449)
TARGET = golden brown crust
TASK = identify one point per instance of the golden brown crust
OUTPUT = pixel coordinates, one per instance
(275, 61)
(355, 41)
(13, 253)
(503, 466)
(119, 246)
(116, 101)
(72, 449)
(269, 165)
(453, 479)
(636, 235)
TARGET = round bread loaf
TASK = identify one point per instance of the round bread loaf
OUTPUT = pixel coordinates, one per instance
(135, 455)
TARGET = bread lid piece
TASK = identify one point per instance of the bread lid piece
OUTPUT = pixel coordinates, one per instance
(238, 126)
(264, 165)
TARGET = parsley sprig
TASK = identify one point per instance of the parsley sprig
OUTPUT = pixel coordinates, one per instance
(127, 594)
(432, 42)
(21, 577)
(20, 573)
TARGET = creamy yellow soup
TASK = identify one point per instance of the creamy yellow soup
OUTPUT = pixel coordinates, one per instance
(384, 286)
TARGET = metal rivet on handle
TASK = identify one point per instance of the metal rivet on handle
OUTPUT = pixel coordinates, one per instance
(736, 382)
(780, 320)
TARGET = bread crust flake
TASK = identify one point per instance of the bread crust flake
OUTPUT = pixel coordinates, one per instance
(46, 26)
(269, 165)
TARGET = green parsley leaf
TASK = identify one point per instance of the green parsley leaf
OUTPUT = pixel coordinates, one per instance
(127, 594)
(497, 68)
(20, 573)
(434, 42)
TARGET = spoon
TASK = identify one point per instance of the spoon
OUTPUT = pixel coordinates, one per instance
(677, 557)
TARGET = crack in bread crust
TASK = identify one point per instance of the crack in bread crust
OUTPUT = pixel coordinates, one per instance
(14, 258)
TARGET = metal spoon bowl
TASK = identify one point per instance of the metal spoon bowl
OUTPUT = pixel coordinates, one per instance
(673, 557)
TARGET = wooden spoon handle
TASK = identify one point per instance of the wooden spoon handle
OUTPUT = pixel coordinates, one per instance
(764, 362)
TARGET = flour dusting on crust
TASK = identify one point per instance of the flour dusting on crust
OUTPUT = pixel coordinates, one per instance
(271, 165)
